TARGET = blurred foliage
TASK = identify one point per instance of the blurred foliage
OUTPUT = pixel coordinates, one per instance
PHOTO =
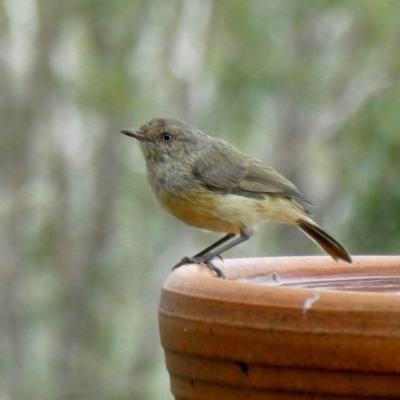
(309, 86)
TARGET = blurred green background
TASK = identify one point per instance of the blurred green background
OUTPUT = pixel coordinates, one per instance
(311, 87)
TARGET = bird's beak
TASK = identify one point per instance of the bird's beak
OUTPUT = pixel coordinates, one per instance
(135, 134)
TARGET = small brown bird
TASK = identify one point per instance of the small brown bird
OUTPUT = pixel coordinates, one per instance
(207, 183)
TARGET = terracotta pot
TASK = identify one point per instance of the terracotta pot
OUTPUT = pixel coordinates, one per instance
(284, 328)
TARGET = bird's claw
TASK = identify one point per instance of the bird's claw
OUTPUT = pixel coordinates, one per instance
(194, 260)
(185, 260)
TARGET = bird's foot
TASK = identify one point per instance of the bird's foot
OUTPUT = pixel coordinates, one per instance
(199, 260)
(185, 260)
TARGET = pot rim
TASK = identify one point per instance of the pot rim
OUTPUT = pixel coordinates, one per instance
(199, 281)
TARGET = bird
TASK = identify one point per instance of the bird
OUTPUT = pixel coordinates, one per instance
(209, 184)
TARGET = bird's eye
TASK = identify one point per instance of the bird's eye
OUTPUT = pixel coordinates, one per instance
(167, 137)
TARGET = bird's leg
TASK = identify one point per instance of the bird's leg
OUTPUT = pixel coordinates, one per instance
(206, 255)
(211, 254)
(200, 257)
(218, 243)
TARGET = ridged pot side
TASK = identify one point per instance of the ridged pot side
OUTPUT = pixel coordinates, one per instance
(227, 339)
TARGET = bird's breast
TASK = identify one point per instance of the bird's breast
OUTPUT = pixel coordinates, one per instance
(199, 208)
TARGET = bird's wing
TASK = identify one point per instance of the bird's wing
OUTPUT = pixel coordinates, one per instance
(221, 167)
(229, 171)
(263, 179)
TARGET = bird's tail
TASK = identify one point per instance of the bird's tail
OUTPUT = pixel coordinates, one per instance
(328, 243)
